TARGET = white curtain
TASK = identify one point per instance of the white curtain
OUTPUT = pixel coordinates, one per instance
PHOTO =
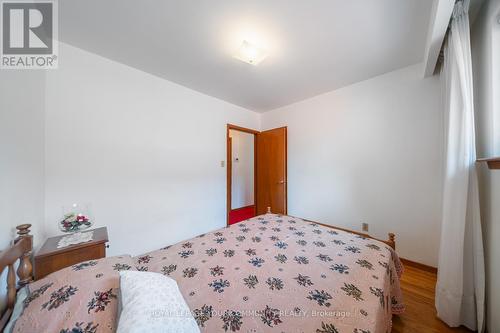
(460, 285)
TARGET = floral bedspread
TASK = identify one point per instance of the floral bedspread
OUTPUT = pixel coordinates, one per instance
(82, 298)
(268, 274)
(281, 274)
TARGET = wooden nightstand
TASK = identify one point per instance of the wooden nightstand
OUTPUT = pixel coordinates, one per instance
(50, 259)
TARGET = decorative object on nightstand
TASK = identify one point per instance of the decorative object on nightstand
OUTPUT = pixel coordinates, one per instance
(50, 258)
(75, 218)
(75, 238)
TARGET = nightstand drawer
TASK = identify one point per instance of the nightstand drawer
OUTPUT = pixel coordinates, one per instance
(50, 259)
(46, 265)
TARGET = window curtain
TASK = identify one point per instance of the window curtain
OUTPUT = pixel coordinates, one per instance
(460, 286)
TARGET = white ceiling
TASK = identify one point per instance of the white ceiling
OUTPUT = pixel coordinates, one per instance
(314, 46)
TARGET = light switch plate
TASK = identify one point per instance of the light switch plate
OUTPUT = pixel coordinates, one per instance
(222, 164)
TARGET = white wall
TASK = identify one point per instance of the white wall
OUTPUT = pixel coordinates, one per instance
(122, 140)
(370, 152)
(242, 180)
(485, 39)
(144, 152)
(21, 152)
(21, 155)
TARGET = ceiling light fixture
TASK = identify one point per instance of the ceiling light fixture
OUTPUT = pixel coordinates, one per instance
(250, 54)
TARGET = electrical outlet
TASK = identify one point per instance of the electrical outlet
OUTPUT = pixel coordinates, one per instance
(222, 163)
(364, 226)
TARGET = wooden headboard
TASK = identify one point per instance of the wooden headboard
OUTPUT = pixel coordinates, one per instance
(21, 250)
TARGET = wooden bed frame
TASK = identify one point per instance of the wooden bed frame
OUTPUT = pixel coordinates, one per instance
(21, 250)
(391, 241)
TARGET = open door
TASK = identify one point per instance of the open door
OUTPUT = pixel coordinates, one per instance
(271, 171)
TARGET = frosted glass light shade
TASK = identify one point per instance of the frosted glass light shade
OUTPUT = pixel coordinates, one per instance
(250, 53)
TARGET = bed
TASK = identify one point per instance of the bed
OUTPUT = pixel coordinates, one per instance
(271, 273)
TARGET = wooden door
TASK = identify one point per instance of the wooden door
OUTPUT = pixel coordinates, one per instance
(271, 171)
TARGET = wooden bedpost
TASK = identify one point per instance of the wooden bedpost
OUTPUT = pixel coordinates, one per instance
(392, 240)
(268, 210)
(20, 251)
(11, 287)
(25, 269)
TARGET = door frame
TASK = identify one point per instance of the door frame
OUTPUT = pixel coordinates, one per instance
(229, 165)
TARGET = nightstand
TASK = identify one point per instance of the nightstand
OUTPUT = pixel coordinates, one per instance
(50, 259)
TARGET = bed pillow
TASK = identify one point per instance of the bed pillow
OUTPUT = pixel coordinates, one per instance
(152, 302)
(18, 309)
(79, 298)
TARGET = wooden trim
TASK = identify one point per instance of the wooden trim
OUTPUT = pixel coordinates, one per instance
(229, 167)
(493, 162)
(391, 241)
(21, 250)
(255, 171)
(229, 164)
(241, 129)
(286, 169)
(418, 265)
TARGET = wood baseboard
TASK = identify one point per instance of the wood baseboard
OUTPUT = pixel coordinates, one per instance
(418, 265)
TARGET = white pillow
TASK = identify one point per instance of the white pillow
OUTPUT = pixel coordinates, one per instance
(152, 302)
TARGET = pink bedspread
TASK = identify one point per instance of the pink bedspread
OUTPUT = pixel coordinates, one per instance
(282, 274)
(268, 274)
(82, 298)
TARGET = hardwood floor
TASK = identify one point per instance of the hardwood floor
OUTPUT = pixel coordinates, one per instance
(420, 315)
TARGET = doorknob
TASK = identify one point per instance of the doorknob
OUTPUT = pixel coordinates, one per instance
(281, 182)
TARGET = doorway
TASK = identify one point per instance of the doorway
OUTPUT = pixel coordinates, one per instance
(241, 173)
(256, 172)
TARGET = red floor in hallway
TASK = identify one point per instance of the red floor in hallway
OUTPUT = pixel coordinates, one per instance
(241, 214)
